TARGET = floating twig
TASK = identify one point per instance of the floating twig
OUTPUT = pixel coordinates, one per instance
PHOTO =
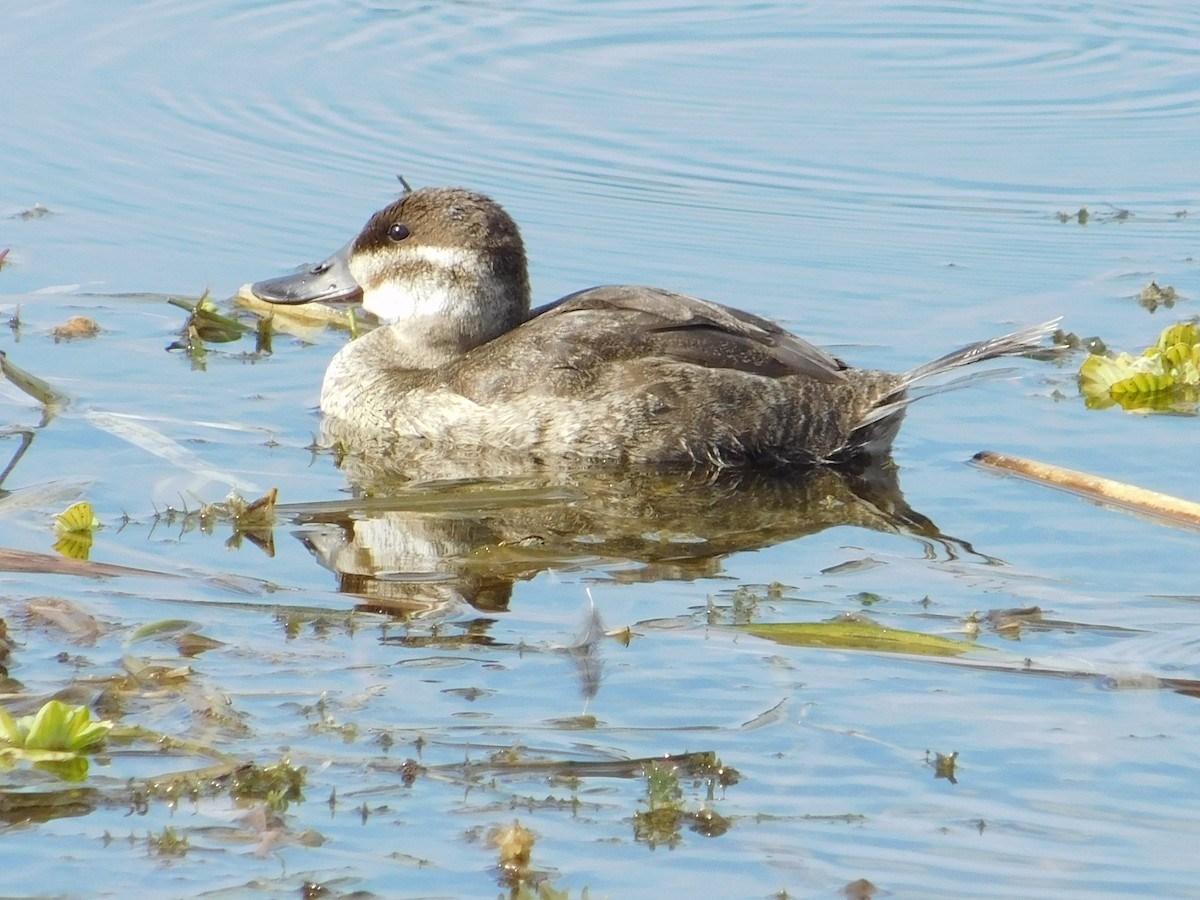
(1164, 507)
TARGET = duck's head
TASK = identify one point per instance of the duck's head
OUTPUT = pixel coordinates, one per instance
(445, 255)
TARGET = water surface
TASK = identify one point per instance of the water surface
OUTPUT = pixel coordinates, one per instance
(886, 179)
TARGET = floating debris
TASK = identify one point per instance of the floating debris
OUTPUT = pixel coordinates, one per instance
(515, 845)
(313, 315)
(67, 618)
(1164, 507)
(75, 328)
(37, 211)
(252, 520)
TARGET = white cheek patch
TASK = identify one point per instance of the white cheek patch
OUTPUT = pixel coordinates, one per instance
(395, 302)
(412, 283)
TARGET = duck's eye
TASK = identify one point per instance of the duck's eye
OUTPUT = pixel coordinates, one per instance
(397, 231)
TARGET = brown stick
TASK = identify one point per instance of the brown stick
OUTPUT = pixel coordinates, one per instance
(1172, 510)
(12, 560)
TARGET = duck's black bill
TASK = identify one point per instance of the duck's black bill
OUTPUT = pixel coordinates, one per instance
(327, 281)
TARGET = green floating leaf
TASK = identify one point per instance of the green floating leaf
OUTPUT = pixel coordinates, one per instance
(205, 323)
(857, 634)
(35, 387)
(56, 727)
(1164, 378)
(164, 628)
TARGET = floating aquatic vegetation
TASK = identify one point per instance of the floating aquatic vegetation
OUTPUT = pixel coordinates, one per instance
(514, 844)
(665, 815)
(56, 734)
(856, 633)
(252, 520)
(1164, 378)
(37, 211)
(1152, 296)
(277, 785)
(35, 387)
(259, 513)
(1083, 215)
(206, 323)
(943, 765)
(1068, 340)
(168, 842)
(183, 633)
(3, 256)
(264, 331)
(13, 560)
(75, 527)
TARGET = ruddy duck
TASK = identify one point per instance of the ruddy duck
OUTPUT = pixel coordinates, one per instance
(609, 376)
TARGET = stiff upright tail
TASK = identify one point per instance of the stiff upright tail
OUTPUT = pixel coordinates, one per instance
(874, 431)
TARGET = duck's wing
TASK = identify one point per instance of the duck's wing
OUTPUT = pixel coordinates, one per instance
(688, 329)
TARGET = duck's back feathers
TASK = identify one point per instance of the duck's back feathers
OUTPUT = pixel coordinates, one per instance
(686, 329)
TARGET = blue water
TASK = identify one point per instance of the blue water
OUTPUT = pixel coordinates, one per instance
(884, 178)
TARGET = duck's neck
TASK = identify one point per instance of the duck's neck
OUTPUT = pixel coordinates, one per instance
(423, 331)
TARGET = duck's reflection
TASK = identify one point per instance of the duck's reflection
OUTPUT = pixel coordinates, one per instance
(408, 548)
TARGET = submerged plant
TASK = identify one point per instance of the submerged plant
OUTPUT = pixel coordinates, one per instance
(1164, 378)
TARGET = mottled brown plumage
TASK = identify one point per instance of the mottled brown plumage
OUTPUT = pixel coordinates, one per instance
(462, 375)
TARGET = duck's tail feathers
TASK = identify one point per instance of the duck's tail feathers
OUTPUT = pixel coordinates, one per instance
(1027, 340)
(878, 426)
